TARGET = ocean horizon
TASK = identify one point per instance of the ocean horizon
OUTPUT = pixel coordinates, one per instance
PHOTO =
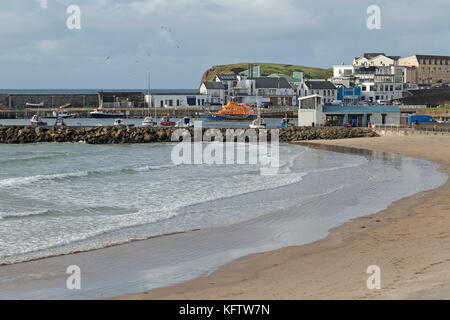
(92, 91)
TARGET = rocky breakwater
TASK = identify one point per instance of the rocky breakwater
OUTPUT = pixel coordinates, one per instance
(115, 135)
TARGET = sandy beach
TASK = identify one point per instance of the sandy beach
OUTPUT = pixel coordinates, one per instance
(409, 241)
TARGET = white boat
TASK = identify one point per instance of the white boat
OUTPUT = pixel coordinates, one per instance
(36, 121)
(34, 105)
(61, 114)
(100, 113)
(122, 123)
(119, 123)
(258, 123)
(184, 123)
(149, 122)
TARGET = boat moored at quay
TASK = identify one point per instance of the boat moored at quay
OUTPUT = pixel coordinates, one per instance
(100, 113)
(232, 112)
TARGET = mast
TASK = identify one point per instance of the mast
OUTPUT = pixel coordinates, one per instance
(149, 97)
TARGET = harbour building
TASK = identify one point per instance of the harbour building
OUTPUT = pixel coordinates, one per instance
(313, 112)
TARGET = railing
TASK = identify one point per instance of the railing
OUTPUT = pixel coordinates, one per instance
(419, 128)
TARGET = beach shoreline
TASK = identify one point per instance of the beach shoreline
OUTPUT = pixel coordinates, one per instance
(408, 241)
(45, 278)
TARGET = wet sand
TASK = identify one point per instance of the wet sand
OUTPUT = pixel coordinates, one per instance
(409, 241)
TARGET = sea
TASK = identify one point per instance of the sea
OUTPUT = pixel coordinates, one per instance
(92, 91)
(59, 198)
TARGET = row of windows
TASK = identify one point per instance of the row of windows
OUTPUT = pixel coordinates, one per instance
(436, 69)
(434, 61)
(382, 97)
(382, 88)
(321, 92)
(178, 102)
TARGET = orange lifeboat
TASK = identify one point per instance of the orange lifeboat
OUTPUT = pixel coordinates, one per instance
(232, 111)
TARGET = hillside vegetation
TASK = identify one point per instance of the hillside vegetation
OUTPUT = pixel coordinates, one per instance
(267, 69)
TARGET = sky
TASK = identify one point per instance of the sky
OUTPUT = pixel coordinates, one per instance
(120, 41)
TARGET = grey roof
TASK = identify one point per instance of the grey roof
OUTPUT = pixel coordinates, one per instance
(394, 57)
(266, 82)
(371, 55)
(320, 85)
(214, 85)
(227, 77)
(427, 56)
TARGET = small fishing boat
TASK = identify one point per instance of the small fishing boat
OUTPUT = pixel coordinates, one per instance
(258, 123)
(59, 122)
(165, 122)
(232, 111)
(61, 114)
(122, 123)
(119, 123)
(184, 123)
(102, 114)
(149, 122)
(285, 123)
(36, 121)
(34, 105)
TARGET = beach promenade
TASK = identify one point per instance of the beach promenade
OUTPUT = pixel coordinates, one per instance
(409, 241)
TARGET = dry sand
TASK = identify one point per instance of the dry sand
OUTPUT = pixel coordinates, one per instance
(410, 241)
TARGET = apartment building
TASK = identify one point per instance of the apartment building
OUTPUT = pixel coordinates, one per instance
(426, 70)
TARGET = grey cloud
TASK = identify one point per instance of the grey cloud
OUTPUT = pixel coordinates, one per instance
(37, 50)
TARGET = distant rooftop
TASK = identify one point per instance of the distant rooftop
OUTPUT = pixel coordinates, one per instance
(360, 109)
(214, 85)
(424, 56)
(373, 55)
(320, 85)
(266, 82)
(229, 77)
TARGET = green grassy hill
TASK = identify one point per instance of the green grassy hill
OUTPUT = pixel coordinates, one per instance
(267, 69)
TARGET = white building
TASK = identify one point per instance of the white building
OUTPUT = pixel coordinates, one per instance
(378, 75)
(229, 81)
(265, 91)
(313, 112)
(214, 90)
(381, 83)
(326, 89)
(375, 60)
(343, 75)
(177, 100)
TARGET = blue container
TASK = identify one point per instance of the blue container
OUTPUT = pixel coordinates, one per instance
(419, 119)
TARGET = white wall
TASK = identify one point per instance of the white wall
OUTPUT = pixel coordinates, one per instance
(339, 71)
(182, 99)
(306, 117)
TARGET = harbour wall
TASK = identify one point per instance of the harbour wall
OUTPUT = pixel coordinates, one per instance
(19, 101)
(120, 135)
(173, 112)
